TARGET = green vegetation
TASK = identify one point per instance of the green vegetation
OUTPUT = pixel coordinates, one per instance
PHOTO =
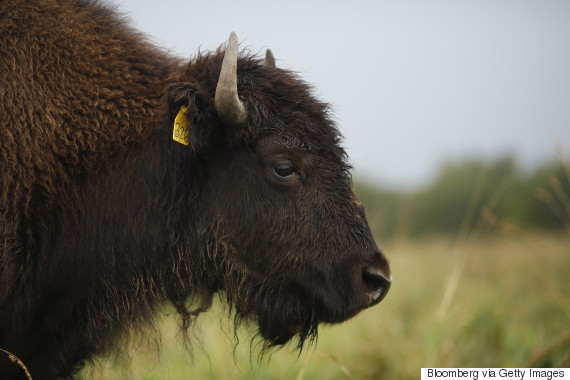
(498, 194)
(480, 259)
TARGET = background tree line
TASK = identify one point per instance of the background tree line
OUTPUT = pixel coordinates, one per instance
(498, 196)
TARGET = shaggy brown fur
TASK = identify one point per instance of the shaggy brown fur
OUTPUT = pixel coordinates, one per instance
(103, 218)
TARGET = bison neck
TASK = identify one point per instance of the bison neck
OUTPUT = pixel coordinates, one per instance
(136, 231)
(120, 249)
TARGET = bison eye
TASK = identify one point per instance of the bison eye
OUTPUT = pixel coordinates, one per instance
(285, 171)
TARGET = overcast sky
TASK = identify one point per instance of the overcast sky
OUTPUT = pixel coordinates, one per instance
(412, 83)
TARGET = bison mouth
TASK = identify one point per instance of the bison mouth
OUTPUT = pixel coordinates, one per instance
(288, 304)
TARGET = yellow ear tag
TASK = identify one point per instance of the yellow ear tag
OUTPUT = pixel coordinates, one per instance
(181, 131)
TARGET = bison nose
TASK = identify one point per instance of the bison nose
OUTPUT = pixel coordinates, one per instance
(377, 283)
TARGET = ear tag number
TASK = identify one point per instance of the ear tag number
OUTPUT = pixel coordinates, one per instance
(181, 131)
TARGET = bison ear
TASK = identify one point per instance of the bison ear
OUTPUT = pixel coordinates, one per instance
(183, 94)
(190, 95)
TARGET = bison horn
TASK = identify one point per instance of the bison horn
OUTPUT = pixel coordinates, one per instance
(269, 58)
(228, 106)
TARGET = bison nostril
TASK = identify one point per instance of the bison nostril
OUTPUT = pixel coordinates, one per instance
(377, 285)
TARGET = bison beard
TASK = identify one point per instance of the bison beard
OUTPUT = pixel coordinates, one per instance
(104, 218)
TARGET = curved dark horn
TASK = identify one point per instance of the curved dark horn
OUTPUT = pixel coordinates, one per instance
(228, 106)
(269, 58)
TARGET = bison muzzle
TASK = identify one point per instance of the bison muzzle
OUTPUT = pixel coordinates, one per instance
(130, 179)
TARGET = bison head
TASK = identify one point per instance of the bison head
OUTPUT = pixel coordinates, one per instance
(280, 230)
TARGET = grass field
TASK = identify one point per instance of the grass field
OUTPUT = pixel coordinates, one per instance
(489, 302)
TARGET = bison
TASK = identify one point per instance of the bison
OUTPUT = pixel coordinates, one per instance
(131, 179)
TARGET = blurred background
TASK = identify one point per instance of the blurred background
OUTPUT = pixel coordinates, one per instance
(456, 116)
